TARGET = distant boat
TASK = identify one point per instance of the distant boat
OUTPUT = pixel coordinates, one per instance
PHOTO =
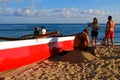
(17, 53)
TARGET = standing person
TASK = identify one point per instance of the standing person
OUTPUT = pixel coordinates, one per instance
(43, 30)
(36, 30)
(94, 33)
(109, 32)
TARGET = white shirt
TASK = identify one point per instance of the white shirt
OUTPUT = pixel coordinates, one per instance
(44, 31)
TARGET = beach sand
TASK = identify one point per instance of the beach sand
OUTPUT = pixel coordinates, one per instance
(75, 65)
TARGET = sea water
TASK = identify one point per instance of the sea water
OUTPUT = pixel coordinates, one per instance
(16, 30)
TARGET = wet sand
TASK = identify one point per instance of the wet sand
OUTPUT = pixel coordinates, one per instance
(75, 65)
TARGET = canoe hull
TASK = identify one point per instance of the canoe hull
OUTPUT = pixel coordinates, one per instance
(14, 54)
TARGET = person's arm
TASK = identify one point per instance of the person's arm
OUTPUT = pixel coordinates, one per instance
(87, 38)
(98, 26)
(90, 25)
(106, 27)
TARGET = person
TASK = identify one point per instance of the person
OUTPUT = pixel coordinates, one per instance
(43, 30)
(94, 33)
(109, 32)
(36, 30)
(81, 42)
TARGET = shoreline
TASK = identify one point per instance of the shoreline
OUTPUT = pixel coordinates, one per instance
(77, 66)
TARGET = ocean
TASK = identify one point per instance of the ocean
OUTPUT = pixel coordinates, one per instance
(16, 30)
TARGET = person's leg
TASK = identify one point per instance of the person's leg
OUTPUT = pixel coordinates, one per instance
(112, 41)
(96, 35)
(108, 33)
(112, 38)
(107, 42)
(92, 40)
(95, 41)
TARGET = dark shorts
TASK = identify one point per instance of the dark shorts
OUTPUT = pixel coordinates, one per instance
(94, 33)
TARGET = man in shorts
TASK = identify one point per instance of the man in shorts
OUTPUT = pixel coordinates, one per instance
(109, 33)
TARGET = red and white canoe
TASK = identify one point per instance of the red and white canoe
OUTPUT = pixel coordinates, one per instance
(14, 54)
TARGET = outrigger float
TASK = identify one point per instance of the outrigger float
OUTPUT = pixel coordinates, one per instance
(20, 52)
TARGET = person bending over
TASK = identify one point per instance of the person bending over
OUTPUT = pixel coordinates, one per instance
(82, 42)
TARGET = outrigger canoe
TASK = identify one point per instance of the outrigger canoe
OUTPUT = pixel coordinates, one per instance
(17, 53)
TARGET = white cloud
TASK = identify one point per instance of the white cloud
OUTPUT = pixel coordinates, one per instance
(95, 12)
(24, 12)
(66, 12)
(63, 14)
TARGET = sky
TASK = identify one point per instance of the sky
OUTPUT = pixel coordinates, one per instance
(58, 11)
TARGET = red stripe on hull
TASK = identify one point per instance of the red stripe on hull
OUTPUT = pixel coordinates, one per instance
(16, 57)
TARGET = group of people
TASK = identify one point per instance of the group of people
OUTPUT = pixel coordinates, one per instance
(43, 30)
(82, 40)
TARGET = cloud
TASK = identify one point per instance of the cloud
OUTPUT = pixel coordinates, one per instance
(66, 12)
(63, 12)
(32, 10)
(24, 12)
(95, 12)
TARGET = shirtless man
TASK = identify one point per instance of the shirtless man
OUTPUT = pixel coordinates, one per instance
(82, 41)
(109, 33)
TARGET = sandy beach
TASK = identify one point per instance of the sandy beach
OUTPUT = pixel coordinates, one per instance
(75, 65)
